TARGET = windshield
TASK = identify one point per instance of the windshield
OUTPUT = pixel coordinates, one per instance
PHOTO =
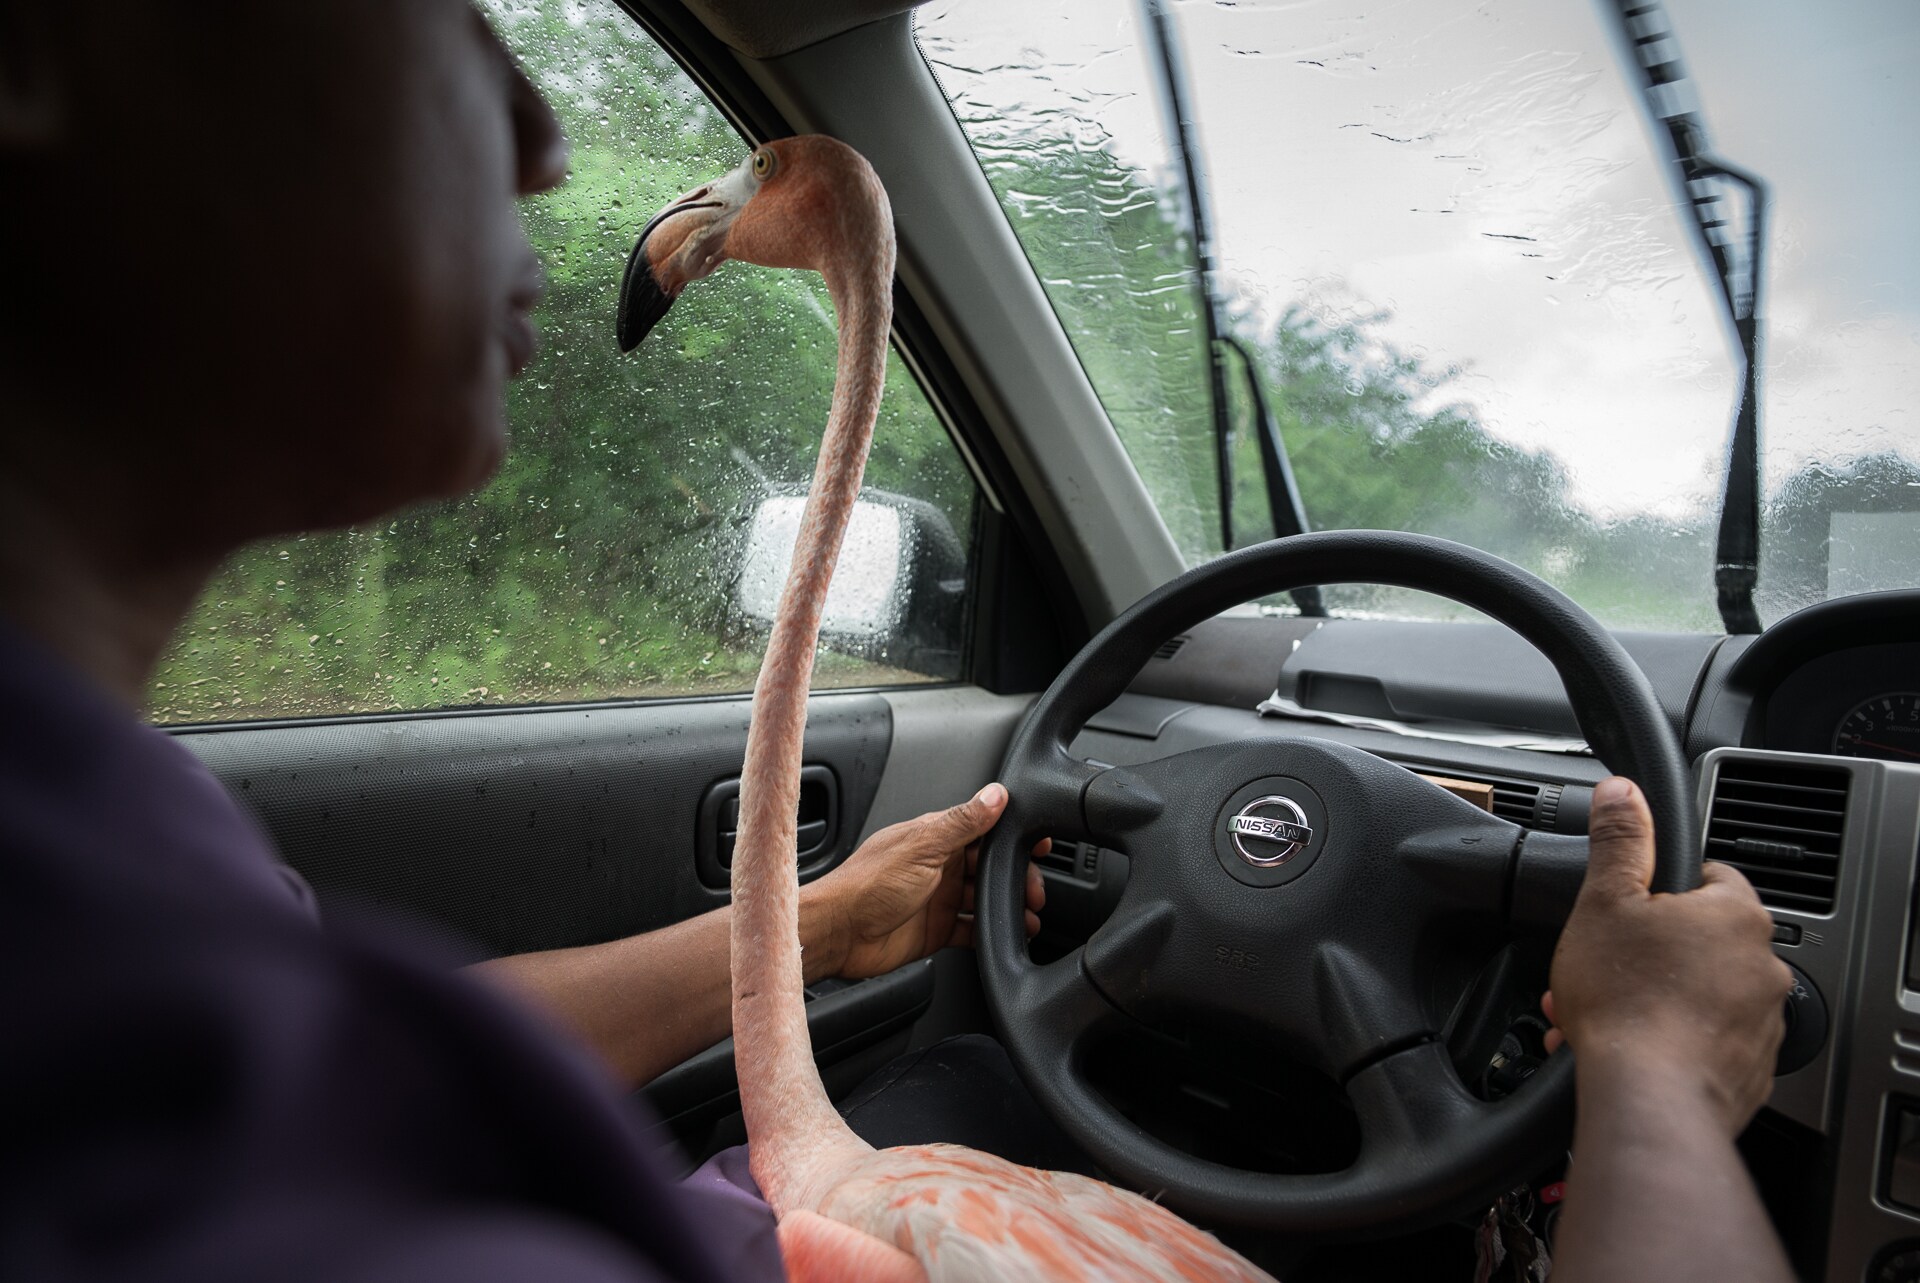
(1448, 237)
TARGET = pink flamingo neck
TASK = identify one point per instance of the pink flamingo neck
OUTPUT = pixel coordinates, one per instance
(799, 1140)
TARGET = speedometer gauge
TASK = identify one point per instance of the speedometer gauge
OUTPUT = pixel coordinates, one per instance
(1886, 727)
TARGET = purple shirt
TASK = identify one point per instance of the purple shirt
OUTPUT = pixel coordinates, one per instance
(197, 1083)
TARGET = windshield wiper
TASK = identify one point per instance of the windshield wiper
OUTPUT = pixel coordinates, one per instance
(1283, 495)
(1704, 181)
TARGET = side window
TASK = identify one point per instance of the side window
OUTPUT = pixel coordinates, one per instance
(625, 548)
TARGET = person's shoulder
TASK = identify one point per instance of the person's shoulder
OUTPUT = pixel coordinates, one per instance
(100, 812)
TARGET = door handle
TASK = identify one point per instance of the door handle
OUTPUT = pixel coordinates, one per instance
(817, 824)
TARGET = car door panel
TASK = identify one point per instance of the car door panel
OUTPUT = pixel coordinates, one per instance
(544, 828)
(855, 1028)
(948, 741)
(529, 829)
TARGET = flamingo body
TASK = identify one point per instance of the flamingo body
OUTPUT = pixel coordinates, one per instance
(968, 1217)
(849, 1213)
(818, 1250)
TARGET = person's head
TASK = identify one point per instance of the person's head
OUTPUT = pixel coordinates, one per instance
(262, 263)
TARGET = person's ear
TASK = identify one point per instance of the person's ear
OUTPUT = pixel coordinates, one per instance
(33, 105)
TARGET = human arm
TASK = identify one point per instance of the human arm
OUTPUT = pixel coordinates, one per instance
(1672, 1004)
(647, 1002)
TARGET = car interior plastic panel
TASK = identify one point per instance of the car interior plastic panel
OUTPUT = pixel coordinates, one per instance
(1856, 958)
(1414, 671)
(1119, 736)
(946, 740)
(853, 1027)
(1232, 660)
(1733, 707)
(768, 28)
(529, 829)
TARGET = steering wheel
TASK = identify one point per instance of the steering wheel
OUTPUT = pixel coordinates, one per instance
(1313, 893)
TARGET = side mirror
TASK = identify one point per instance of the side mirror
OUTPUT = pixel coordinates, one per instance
(898, 591)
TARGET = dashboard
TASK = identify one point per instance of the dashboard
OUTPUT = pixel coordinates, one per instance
(1805, 748)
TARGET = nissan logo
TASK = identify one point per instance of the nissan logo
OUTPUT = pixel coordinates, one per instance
(1269, 831)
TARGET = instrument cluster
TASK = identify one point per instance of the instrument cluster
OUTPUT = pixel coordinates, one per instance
(1858, 701)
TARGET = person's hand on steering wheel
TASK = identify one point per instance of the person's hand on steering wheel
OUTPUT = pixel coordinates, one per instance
(1683, 989)
(1673, 1005)
(909, 889)
(647, 1002)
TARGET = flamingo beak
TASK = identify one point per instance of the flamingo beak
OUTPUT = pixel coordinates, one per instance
(682, 243)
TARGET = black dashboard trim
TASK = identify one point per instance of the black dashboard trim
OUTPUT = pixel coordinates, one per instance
(1737, 714)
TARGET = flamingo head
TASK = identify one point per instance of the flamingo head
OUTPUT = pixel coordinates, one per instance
(808, 202)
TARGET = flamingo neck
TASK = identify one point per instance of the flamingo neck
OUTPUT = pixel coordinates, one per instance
(799, 1141)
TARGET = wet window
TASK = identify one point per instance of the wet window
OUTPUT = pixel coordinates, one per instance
(1061, 111)
(622, 548)
(1447, 237)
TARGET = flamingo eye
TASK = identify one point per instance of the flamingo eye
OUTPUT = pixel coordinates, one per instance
(764, 163)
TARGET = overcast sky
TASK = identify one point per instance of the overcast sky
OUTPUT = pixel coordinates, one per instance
(1482, 171)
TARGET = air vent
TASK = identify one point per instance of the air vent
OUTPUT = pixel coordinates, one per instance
(1170, 647)
(1780, 824)
(1074, 859)
(1063, 857)
(1528, 803)
(1519, 801)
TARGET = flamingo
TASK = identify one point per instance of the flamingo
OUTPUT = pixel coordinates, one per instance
(847, 1212)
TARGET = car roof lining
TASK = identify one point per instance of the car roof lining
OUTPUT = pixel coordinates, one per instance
(770, 28)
